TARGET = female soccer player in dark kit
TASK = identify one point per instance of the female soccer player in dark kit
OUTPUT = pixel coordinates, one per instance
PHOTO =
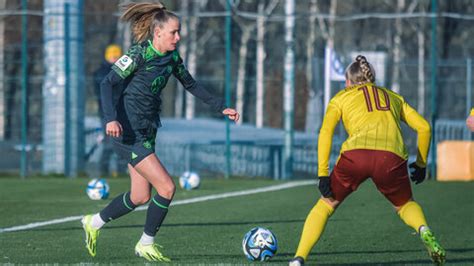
(133, 121)
(374, 149)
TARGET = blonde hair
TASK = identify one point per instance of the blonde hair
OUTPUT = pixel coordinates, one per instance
(360, 71)
(144, 17)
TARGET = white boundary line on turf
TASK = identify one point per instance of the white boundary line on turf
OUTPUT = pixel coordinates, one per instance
(174, 203)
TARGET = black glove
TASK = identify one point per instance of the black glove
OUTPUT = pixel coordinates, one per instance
(325, 186)
(417, 174)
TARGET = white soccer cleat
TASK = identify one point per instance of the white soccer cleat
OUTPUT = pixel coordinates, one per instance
(297, 261)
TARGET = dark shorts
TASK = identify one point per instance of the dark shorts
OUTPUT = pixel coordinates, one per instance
(387, 170)
(135, 145)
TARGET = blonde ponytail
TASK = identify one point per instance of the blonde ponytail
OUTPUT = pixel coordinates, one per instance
(144, 17)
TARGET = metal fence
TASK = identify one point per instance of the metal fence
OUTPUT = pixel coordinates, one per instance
(452, 130)
(24, 63)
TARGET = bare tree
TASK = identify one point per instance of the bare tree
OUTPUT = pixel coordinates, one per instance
(193, 53)
(124, 34)
(260, 66)
(313, 107)
(263, 13)
(241, 72)
(183, 50)
(192, 63)
(189, 50)
(420, 27)
(247, 28)
(2, 70)
(327, 31)
(397, 43)
(421, 66)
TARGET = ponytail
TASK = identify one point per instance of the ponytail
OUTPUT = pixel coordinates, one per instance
(360, 71)
(366, 68)
(144, 17)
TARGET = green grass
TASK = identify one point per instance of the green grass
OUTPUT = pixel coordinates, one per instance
(364, 230)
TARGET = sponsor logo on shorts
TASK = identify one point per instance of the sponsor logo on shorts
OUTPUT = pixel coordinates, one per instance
(147, 144)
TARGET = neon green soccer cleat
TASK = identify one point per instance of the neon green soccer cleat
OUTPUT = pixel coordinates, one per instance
(150, 252)
(436, 251)
(91, 234)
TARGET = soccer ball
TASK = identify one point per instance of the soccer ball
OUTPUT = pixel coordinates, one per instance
(259, 244)
(189, 180)
(97, 189)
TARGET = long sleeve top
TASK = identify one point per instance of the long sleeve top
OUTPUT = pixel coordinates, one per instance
(371, 116)
(145, 71)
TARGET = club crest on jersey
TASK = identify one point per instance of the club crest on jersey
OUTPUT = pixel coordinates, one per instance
(124, 62)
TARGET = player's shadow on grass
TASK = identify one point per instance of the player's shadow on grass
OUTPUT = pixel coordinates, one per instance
(285, 257)
(113, 227)
(401, 262)
(205, 224)
(210, 257)
(197, 224)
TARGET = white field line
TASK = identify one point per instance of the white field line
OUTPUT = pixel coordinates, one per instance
(174, 203)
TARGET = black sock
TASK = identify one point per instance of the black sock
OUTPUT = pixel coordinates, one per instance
(156, 213)
(118, 207)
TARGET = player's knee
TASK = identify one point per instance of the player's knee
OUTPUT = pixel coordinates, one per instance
(165, 187)
(140, 199)
(168, 190)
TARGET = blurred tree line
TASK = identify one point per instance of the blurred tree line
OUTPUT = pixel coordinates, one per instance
(400, 28)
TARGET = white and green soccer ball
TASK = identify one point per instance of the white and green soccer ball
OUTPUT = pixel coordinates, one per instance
(97, 189)
(189, 180)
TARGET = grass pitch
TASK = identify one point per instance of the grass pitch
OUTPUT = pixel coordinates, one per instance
(363, 231)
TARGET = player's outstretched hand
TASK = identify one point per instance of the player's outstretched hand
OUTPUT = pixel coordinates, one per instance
(470, 123)
(113, 129)
(325, 186)
(232, 114)
(417, 174)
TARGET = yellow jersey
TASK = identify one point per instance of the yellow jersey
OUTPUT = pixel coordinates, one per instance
(371, 116)
(472, 111)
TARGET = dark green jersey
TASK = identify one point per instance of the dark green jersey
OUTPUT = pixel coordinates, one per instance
(146, 72)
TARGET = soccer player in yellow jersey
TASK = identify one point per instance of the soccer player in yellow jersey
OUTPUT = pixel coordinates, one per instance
(374, 149)
(470, 121)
